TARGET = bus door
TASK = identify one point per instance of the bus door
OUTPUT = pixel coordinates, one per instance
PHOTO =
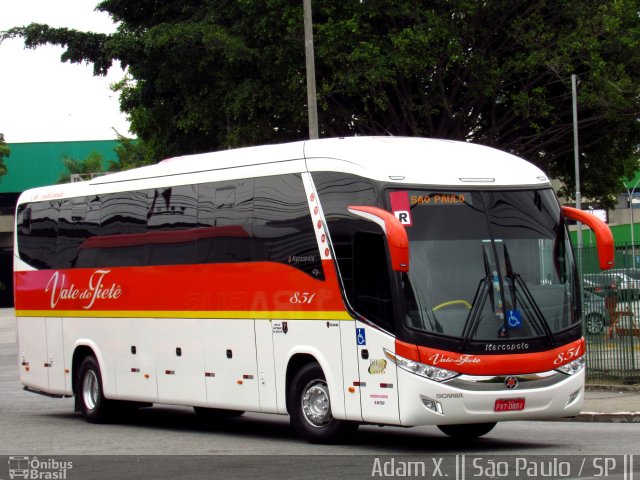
(378, 376)
(373, 300)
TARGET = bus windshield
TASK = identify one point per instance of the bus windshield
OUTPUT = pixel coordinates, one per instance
(487, 265)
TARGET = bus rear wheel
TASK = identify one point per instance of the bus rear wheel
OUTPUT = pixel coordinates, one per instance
(94, 406)
(472, 430)
(310, 408)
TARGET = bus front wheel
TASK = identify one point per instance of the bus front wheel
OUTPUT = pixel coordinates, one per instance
(310, 408)
(94, 406)
(472, 430)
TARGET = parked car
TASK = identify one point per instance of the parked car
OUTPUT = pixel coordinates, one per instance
(601, 284)
(630, 278)
(614, 282)
(596, 316)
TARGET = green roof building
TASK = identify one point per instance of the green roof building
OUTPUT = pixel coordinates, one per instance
(34, 165)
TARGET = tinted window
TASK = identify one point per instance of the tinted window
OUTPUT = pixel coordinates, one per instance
(224, 221)
(87, 256)
(72, 230)
(206, 223)
(123, 228)
(172, 219)
(337, 191)
(283, 230)
(372, 287)
(38, 233)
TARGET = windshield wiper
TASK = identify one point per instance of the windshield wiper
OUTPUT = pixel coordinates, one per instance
(479, 301)
(518, 285)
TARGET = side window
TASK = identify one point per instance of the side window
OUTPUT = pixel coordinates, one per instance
(37, 234)
(224, 221)
(72, 230)
(87, 255)
(23, 219)
(123, 218)
(372, 286)
(172, 219)
(282, 226)
(337, 191)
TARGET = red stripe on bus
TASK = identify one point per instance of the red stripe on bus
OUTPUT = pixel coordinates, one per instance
(259, 286)
(495, 363)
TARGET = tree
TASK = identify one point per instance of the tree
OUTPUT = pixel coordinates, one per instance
(131, 154)
(91, 165)
(211, 75)
(5, 151)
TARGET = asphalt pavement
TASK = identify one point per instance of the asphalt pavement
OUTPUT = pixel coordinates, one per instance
(610, 403)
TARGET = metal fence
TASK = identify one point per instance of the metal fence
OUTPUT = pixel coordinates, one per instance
(612, 315)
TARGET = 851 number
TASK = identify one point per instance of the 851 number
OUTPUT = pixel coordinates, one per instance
(302, 297)
(567, 355)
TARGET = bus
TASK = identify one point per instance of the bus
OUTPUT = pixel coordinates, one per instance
(343, 281)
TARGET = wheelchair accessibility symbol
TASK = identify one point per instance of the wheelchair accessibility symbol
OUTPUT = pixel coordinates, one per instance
(514, 319)
(360, 336)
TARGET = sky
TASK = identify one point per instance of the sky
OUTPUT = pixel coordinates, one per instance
(45, 100)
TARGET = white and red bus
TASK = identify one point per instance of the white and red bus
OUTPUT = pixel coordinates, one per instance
(393, 281)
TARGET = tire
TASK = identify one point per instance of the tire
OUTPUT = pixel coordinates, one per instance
(594, 323)
(216, 414)
(94, 406)
(310, 408)
(468, 431)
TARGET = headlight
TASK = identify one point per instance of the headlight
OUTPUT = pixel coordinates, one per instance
(573, 367)
(427, 371)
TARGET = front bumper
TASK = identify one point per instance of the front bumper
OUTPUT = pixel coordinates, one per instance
(472, 399)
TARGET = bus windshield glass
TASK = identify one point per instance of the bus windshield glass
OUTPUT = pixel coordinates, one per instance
(487, 265)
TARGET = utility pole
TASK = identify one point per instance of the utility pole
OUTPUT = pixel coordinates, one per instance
(311, 71)
(631, 194)
(576, 156)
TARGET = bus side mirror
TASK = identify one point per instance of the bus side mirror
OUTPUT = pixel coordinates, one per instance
(604, 237)
(394, 231)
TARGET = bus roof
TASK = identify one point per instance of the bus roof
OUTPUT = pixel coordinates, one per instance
(403, 160)
(415, 160)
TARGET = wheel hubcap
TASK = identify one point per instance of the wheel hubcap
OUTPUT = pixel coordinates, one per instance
(90, 390)
(315, 404)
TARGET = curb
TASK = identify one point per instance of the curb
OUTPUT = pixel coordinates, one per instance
(607, 417)
(594, 387)
(618, 417)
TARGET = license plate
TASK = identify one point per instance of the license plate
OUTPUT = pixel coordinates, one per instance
(509, 404)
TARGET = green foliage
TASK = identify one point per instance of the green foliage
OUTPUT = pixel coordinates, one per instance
(5, 151)
(131, 154)
(91, 165)
(207, 75)
(80, 46)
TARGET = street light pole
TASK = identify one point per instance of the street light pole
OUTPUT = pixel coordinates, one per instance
(590, 231)
(633, 244)
(576, 156)
(312, 104)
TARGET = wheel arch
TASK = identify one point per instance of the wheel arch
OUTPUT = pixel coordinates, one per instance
(295, 363)
(81, 350)
(302, 357)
